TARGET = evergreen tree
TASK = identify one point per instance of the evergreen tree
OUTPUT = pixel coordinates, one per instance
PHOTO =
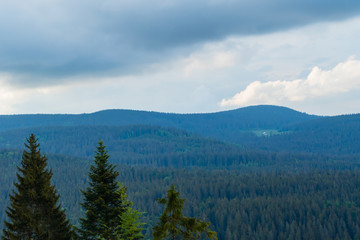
(104, 201)
(131, 227)
(34, 212)
(174, 225)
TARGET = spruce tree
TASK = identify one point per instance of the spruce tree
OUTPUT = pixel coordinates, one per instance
(174, 225)
(34, 212)
(104, 202)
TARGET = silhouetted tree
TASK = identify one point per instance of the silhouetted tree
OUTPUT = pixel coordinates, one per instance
(34, 212)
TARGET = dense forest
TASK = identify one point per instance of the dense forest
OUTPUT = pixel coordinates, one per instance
(265, 204)
(283, 176)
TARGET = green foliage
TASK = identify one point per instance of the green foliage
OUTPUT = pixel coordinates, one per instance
(132, 226)
(34, 212)
(105, 202)
(174, 225)
(260, 205)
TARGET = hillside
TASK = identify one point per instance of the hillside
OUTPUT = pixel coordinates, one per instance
(225, 125)
(134, 145)
(140, 145)
(337, 135)
(266, 128)
(167, 147)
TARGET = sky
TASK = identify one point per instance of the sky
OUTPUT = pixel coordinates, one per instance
(179, 56)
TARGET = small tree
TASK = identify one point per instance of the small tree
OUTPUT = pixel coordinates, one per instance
(34, 212)
(174, 225)
(132, 227)
(105, 202)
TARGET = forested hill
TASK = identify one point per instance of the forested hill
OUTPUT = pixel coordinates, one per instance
(209, 124)
(269, 128)
(150, 145)
(337, 135)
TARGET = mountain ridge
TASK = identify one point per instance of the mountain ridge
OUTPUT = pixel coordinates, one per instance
(262, 116)
(262, 127)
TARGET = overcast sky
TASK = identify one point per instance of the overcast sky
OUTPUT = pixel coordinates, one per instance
(180, 56)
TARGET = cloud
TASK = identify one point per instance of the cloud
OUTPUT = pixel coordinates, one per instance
(45, 42)
(8, 95)
(209, 61)
(344, 77)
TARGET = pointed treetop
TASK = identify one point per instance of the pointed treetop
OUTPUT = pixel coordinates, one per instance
(34, 212)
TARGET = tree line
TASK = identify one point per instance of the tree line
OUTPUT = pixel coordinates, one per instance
(35, 212)
(162, 147)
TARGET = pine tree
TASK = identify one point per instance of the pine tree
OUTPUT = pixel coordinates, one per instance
(104, 202)
(174, 225)
(34, 212)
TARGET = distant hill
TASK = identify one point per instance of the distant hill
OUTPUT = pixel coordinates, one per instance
(266, 128)
(225, 125)
(339, 135)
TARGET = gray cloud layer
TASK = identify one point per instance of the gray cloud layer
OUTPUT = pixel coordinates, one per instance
(47, 40)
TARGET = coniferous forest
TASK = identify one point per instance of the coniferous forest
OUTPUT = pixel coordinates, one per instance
(293, 176)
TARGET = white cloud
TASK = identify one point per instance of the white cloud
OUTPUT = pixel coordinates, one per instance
(208, 61)
(8, 95)
(343, 78)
